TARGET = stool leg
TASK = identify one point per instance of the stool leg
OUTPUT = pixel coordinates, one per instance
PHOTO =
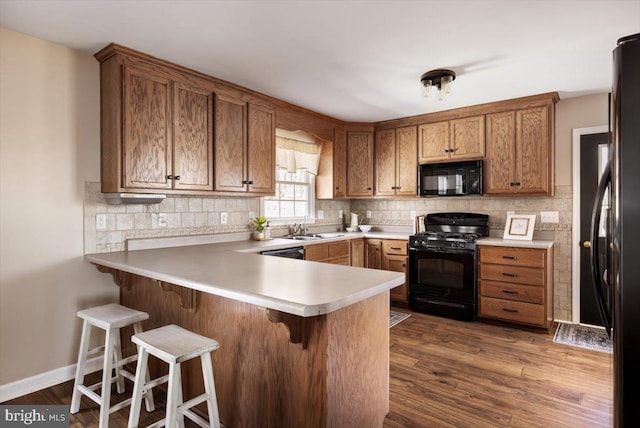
(180, 401)
(138, 387)
(80, 368)
(117, 350)
(148, 396)
(210, 389)
(172, 395)
(105, 394)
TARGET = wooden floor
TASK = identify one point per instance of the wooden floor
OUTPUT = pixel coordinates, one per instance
(447, 373)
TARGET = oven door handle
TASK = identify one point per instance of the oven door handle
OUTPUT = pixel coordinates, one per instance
(443, 250)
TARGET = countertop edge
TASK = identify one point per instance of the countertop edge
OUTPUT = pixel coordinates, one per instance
(515, 243)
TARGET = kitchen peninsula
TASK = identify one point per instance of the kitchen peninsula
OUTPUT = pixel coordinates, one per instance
(301, 343)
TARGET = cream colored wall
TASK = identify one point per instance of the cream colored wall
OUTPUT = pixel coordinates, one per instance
(578, 112)
(49, 146)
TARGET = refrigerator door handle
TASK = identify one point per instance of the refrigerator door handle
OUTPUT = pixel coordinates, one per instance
(596, 273)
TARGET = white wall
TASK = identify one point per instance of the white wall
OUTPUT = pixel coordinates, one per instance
(49, 146)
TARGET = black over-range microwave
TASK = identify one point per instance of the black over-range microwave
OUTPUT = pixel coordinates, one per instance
(450, 179)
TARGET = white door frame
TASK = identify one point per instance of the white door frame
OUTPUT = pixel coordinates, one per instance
(575, 227)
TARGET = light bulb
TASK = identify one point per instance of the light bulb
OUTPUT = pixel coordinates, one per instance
(426, 88)
(445, 84)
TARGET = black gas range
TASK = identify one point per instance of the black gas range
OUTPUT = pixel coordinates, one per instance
(443, 265)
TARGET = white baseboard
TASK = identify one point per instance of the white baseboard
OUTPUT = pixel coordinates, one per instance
(44, 380)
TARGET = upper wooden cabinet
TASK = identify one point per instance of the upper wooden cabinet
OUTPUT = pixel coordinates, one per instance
(520, 152)
(156, 130)
(359, 163)
(396, 162)
(244, 147)
(340, 164)
(457, 139)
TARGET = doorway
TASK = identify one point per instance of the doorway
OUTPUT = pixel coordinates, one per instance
(589, 157)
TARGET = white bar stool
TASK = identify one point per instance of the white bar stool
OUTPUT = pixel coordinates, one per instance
(174, 345)
(111, 318)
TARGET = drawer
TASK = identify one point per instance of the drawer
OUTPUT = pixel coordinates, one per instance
(316, 252)
(339, 249)
(394, 247)
(522, 293)
(508, 310)
(512, 274)
(345, 261)
(531, 257)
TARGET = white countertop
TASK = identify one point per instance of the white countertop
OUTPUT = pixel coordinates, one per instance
(536, 243)
(235, 271)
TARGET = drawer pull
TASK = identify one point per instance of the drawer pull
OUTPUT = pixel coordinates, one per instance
(510, 257)
(510, 275)
(509, 292)
(510, 310)
(396, 248)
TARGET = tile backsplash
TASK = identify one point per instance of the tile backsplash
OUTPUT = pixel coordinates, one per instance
(195, 215)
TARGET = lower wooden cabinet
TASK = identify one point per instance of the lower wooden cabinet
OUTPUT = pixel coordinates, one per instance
(373, 253)
(357, 252)
(516, 285)
(394, 257)
(331, 252)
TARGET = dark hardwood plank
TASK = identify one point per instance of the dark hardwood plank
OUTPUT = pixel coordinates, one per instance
(446, 373)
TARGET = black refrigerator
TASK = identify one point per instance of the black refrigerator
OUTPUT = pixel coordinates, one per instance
(615, 256)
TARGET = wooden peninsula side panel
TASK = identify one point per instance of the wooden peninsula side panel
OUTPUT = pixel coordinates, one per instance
(336, 374)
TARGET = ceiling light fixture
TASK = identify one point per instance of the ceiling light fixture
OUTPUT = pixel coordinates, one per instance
(437, 83)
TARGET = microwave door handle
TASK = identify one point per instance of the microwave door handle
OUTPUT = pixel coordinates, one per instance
(596, 272)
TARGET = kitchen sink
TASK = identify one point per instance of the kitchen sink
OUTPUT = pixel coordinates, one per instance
(313, 237)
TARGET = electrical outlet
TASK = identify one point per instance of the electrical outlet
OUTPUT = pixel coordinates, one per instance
(252, 215)
(320, 214)
(341, 214)
(162, 220)
(101, 222)
(549, 217)
(368, 214)
(412, 215)
(223, 218)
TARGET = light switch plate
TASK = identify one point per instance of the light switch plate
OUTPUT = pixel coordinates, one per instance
(101, 222)
(320, 214)
(368, 214)
(223, 218)
(549, 217)
(341, 214)
(162, 220)
(412, 215)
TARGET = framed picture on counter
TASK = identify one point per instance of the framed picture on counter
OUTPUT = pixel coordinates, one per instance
(519, 226)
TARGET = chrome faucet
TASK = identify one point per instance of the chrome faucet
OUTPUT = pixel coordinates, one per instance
(297, 229)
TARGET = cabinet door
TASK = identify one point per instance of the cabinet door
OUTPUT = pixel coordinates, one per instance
(534, 158)
(500, 160)
(359, 163)
(433, 142)
(261, 163)
(406, 161)
(467, 138)
(373, 253)
(397, 264)
(357, 252)
(192, 137)
(146, 134)
(230, 143)
(339, 163)
(385, 151)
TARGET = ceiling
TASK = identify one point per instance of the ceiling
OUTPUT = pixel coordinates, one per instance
(356, 60)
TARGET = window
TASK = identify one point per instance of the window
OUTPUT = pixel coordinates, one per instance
(294, 198)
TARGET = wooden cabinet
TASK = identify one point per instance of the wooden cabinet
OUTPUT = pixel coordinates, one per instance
(244, 147)
(373, 253)
(396, 162)
(458, 139)
(357, 252)
(156, 130)
(516, 285)
(394, 257)
(359, 163)
(520, 152)
(330, 252)
(340, 164)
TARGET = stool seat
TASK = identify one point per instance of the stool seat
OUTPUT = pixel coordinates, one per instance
(110, 318)
(175, 345)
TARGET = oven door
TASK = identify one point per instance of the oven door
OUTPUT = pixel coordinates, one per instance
(443, 273)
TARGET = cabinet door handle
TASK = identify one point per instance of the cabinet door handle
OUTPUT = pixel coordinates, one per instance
(510, 275)
(169, 177)
(368, 188)
(512, 184)
(510, 257)
(509, 292)
(404, 265)
(337, 187)
(396, 248)
(250, 182)
(177, 177)
(446, 150)
(517, 183)
(510, 310)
